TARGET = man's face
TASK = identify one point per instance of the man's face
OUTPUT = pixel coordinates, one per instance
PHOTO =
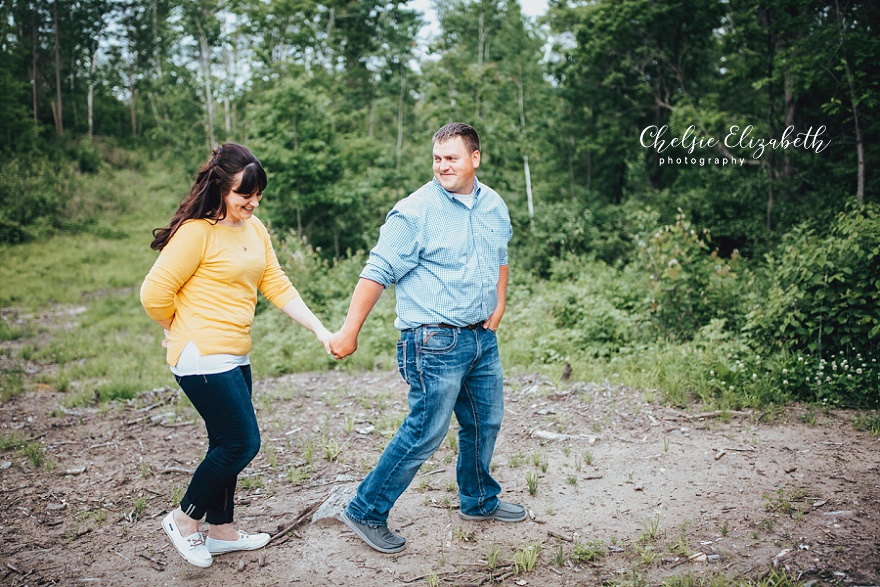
(455, 166)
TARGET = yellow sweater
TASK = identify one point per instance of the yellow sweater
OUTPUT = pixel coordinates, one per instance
(206, 278)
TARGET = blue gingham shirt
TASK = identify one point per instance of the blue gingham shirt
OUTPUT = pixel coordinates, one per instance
(443, 256)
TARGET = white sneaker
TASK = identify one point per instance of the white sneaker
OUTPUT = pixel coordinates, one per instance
(191, 548)
(245, 542)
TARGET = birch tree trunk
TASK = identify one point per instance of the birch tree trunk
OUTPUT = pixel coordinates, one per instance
(205, 59)
(522, 122)
(400, 116)
(35, 92)
(59, 119)
(132, 94)
(90, 98)
(854, 100)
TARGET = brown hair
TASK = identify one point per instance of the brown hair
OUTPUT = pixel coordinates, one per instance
(213, 183)
(458, 129)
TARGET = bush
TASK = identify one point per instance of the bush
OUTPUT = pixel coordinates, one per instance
(88, 157)
(599, 307)
(824, 290)
(34, 193)
(821, 306)
(690, 284)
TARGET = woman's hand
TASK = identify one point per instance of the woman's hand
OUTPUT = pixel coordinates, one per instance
(165, 340)
(324, 336)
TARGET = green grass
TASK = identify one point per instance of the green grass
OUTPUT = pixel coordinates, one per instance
(869, 421)
(99, 336)
(773, 579)
(102, 338)
(12, 441)
(588, 553)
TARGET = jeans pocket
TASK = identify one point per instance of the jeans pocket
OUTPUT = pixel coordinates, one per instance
(401, 359)
(436, 339)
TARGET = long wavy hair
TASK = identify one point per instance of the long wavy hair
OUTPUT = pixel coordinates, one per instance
(207, 197)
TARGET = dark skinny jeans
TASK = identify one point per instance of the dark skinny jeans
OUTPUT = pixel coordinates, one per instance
(224, 402)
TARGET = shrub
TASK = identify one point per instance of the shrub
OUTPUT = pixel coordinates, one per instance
(598, 307)
(33, 197)
(690, 284)
(824, 291)
(820, 309)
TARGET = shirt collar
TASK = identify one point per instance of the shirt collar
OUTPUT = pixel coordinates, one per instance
(451, 196)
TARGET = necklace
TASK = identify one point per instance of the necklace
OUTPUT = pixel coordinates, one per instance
(239, 234)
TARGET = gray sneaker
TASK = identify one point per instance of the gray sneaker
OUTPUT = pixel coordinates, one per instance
(506, 512)
(378, 537)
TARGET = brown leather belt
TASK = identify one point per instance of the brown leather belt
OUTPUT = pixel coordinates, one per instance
(468, 327)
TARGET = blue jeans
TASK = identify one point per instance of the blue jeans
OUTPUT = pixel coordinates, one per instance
(448, 370)
(223, 400)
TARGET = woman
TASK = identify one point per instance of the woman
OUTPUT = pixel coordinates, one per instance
(202, 290)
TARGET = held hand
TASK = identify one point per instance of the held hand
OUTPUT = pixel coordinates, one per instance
(165, 340)
(324, 336)
(342, 345)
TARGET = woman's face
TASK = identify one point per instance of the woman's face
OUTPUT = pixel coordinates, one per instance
(240, 207)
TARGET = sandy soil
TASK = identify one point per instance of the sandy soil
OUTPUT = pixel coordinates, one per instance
(655, 492)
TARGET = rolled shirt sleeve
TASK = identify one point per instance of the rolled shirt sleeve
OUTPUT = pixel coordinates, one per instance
(397, 251)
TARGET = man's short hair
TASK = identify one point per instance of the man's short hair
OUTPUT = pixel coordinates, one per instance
(458, 129)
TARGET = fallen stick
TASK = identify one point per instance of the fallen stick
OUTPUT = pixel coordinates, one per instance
(175, 470)
(303, 516)
(558, 535)
(717, 413)
(151, 559)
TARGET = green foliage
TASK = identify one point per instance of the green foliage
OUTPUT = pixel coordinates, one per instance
(87, 156)
(820, 309)
(868, 421)
(823, 289)
(34, 196)
(689, 283)
(588, 553)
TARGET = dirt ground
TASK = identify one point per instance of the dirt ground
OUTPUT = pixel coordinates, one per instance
(627, 492)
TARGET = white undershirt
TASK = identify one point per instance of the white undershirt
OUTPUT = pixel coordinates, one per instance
(467, 200)
(193, 363)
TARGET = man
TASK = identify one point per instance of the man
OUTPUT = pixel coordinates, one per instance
(445, 248)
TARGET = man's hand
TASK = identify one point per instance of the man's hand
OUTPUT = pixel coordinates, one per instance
(495, 319)
(342, 344)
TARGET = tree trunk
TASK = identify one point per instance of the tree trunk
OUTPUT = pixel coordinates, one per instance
(854, 100)
(227, 111)
(770, 197)
(790, 104)
(72, 83)
(528, 186)
(34, 66)
(132, 94)
(589, 162)
(59, 118)
(90, 99)
(230, 76)
(767, 20)
(482, 35)
(522, 123)
(400, 101)
(205, 58)
(372, 116)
